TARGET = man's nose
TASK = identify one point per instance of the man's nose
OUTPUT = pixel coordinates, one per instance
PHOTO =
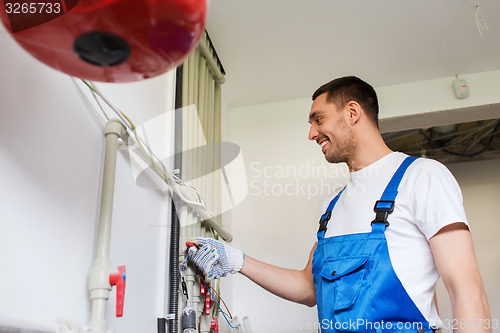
(313, 133)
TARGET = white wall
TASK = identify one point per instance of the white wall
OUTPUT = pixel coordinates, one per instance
(277, 222)
(51, 156)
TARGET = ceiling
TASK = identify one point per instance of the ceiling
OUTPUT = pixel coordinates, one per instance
(274, 50)
(462, 142)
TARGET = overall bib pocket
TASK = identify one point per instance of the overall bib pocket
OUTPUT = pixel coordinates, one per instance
(343, 279)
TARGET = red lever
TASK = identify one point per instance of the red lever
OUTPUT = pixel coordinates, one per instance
(214, 325)
(118, 278)
(202, 288)
(208, 303)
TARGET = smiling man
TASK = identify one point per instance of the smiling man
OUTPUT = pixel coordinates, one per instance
(380, 251)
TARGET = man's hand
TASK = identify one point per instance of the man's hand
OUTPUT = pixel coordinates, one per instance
(215, 259)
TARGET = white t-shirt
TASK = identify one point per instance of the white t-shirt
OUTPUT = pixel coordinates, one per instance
(429, 198)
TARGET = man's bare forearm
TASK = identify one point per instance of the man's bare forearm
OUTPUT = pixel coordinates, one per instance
(453, 253)
(471, 311)
(293, 285)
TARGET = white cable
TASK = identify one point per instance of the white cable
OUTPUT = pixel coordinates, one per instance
(170, 179)
(118, 113)
(90, 107)
(480, 22)
(100, 106)
(158, 161)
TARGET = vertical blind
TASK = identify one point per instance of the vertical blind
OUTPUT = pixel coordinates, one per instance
(202, 77)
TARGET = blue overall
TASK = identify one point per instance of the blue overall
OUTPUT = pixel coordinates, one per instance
(357, 289)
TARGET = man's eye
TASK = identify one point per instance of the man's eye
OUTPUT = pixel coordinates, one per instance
(318, 120)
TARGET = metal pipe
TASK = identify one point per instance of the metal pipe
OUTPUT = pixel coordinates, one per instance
(99, 285)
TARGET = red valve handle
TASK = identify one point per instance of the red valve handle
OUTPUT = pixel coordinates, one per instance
(118, 278)
(202, 288)
(214, 325)
(208, 303)
(192, 248)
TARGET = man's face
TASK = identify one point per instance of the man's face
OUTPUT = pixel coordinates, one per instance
(331, 130)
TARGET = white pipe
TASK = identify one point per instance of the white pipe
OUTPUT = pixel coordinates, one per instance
(99, 286)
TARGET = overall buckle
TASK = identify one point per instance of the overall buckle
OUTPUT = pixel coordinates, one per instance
(323, 221)
(382, 209)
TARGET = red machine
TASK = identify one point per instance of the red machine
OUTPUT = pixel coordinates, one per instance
(106, 40)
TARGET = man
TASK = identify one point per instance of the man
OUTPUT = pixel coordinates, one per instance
(373, 271)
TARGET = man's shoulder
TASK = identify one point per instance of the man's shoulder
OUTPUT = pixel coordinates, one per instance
(425, 172)
(424, 165)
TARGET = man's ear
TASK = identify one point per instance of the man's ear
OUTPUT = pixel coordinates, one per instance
(354, 111)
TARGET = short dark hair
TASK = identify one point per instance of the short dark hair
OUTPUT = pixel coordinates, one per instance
(351, 88)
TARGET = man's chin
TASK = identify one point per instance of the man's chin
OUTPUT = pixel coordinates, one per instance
(331, 159)
(334, 159)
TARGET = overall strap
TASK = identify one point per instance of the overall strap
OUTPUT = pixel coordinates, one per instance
(323, 221)
(385, 205)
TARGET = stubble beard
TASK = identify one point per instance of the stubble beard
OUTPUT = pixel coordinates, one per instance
(345, 146)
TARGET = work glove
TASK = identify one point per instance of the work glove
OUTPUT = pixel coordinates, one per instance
(214, 258)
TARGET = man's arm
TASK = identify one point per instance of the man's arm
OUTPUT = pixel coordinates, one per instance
(293, 285)
(456, 262)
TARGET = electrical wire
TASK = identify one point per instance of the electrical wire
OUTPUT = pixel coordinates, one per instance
(208, 287)
(99, 103)
(89, 105)
(470, 132)
(118, 112)
(480, 22)
(221, 299)
(171, 179)
(448, 150)
(223, 314)
(145, 149)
